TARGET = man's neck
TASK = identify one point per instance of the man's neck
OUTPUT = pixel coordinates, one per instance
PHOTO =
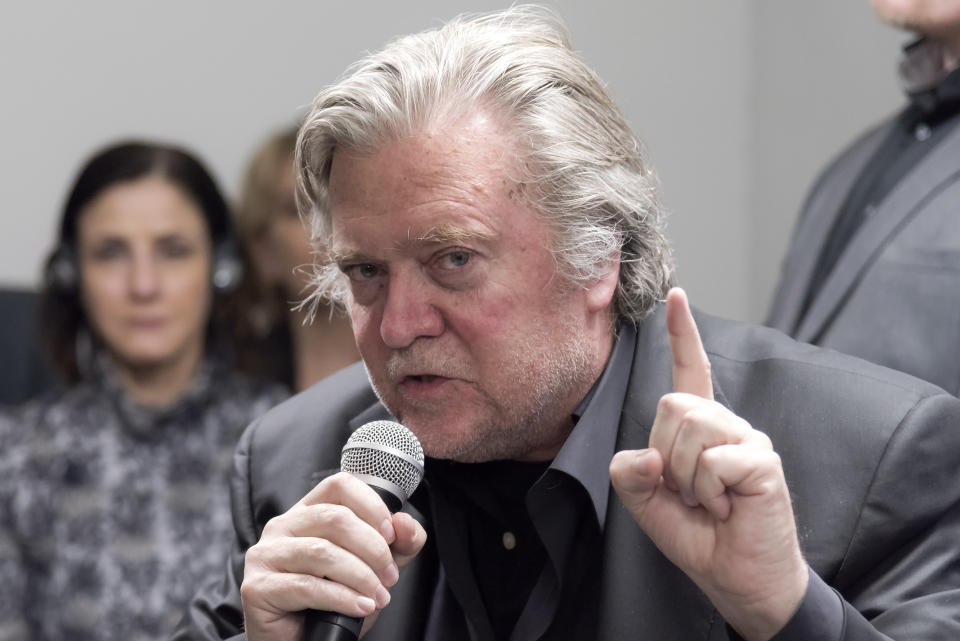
(564, 420)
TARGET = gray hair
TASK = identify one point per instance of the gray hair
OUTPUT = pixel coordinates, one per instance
(584, 164)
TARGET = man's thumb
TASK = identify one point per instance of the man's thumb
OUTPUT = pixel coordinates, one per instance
(635, 475)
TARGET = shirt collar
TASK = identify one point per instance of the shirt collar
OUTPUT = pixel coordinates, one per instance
(144, 421)
(586, 453)
(923, 78)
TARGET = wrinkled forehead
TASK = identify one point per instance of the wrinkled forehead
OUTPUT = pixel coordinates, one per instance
(467, 173)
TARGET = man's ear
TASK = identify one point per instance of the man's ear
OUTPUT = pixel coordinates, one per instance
(600, 293)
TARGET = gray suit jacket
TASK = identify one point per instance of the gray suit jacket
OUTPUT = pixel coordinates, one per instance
(870, 456)
(893, 296)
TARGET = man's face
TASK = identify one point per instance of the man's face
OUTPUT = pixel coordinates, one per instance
(939, 19)
(470, 335)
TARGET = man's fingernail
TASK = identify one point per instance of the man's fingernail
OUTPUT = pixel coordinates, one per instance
(386, 530)
(641, 460)
(366, 605)
(391, 574)
(382, 597)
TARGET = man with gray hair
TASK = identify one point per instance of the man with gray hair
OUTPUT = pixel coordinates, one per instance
(495, 235)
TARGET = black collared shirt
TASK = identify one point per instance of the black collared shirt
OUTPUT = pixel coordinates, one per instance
(520, 543)
(932, 113)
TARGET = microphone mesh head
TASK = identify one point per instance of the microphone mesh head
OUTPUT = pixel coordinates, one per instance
(385, 450)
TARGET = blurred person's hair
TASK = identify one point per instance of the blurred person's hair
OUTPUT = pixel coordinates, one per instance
(258, 193)
(62, 317)
(580, 164)
(259, 205)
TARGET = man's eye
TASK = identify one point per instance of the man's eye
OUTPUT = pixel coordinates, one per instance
(456, 259)
(363, 271)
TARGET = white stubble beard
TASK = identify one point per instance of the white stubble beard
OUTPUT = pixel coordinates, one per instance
(550, 379)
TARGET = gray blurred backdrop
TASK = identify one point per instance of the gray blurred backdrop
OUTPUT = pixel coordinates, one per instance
(739, 102)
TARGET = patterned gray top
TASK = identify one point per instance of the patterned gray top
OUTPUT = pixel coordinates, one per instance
(111, 513)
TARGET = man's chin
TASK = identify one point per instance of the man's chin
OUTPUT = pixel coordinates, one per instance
(462, 444)
(440, 436)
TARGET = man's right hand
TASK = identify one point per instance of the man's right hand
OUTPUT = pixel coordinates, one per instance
(338, 549)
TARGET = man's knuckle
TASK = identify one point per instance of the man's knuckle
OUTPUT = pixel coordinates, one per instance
(253, 586)
(773, 460)
(340, 481)
(336, 516)
(253, 556)
(669, 404)
(322, 551)
(709, 458)
(273, 526)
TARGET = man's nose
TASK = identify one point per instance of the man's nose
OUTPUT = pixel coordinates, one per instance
(409, 312)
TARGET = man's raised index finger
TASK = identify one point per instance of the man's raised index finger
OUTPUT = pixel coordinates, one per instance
(691, 367)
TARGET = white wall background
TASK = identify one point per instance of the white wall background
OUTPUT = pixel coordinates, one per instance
(738, 101)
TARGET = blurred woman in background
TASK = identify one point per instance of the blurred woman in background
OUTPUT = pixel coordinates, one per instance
(113, 497)
(282, 343)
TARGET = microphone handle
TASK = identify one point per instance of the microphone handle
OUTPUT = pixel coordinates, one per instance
(330, 626)
(321, 625)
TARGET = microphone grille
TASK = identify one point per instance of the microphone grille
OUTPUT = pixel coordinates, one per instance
(385, 450)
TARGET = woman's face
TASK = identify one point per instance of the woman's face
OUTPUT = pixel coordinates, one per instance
(284, 247)
(144, 256)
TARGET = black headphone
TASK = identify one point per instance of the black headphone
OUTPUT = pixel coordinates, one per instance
(61, 270)
(226, 273)
(227, 269)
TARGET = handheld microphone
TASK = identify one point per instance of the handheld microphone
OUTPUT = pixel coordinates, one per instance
(387, 457)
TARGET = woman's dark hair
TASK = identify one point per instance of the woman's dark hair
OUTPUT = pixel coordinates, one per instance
(62, 316)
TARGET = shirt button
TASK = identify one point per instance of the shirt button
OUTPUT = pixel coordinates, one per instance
(509, 540)
(922, 132)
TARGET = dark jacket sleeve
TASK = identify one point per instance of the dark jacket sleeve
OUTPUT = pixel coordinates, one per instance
(902, 569)
(900, 577)
(215, 612)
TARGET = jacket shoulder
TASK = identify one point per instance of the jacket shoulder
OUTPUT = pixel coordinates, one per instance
(283, 451)
(861, 444)
(765, 347)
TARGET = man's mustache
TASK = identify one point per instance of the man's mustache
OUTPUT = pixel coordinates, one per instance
(420, 359)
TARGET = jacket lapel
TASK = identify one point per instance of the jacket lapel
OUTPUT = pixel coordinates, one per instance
(812, 230)
(644, 595)
(905, 201)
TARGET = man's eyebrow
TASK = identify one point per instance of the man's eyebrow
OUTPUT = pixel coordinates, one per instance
(449, 233)
(445, 233)
(339, 257)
